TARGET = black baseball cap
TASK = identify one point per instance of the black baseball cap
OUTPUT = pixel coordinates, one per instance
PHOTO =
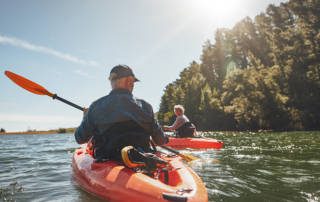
(121, 71)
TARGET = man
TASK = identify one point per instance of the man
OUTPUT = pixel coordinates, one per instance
(182, 126)
(119, 120)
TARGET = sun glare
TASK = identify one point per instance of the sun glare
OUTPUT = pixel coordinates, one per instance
(213, 9)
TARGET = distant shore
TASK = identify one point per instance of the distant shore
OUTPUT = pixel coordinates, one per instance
(40, 132)
(29, 133)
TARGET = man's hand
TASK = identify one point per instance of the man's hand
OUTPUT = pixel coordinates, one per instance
(85, 111)
(166, 128)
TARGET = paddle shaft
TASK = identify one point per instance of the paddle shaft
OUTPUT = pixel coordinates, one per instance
(169, 149)
(55, 96)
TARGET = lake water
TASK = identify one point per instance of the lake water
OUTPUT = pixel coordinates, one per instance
(250, 167)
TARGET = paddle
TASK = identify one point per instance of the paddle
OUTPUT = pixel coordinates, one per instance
(186, 157)
(40, 90)
(36, 88)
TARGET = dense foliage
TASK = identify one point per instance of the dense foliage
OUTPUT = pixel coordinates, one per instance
(261, 74)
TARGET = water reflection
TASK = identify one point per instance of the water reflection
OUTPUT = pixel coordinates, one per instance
(250, 167)
(262, 166)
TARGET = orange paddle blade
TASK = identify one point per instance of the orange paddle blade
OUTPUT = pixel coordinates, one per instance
(27, 84)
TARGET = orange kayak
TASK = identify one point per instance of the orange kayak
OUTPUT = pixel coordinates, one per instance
(195, 143)
(114, 182)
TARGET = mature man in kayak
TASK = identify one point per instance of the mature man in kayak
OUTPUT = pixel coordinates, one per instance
(119, 119)
(182, 126)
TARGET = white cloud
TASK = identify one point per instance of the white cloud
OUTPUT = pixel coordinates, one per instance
(42, 49)
(82, 73)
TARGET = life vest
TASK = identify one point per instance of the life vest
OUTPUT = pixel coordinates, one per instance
(188, 129)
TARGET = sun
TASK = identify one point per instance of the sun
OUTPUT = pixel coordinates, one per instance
(213, 9)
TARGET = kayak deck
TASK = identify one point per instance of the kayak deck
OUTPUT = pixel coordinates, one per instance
(194, 143)
(115, 182)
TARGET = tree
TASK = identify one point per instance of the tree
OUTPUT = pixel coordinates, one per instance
(261, 74)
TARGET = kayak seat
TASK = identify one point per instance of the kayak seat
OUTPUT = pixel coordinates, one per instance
(132, 158)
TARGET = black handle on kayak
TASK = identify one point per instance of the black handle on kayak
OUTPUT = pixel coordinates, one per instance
(55, 96)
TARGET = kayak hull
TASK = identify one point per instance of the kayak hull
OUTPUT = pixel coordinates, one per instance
(195, 143)
(113, 181)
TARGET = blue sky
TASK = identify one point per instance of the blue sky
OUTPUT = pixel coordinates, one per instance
(70, 46)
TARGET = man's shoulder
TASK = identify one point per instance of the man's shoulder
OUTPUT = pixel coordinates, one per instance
(100, 102)
(143, 102)
(182, 118)
(101, 99)
(144, 105)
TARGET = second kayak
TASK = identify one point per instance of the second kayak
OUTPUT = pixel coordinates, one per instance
(195, 143)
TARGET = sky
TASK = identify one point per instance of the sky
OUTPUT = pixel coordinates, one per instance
(69, 47)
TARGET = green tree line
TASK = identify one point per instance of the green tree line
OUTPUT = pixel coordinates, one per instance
(264, 73)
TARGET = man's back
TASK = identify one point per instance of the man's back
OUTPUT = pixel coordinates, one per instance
(118, 120)
(119, 106)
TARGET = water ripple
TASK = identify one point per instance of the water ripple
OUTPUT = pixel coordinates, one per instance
(250, 167)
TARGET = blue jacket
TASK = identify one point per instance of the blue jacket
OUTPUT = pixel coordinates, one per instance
(119, 117)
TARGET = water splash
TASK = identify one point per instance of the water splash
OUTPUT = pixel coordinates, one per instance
(7, 193)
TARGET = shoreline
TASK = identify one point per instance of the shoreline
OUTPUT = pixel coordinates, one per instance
(41, 132)
(30, 133)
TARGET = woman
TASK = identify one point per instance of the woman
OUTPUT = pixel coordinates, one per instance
(182, 126)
